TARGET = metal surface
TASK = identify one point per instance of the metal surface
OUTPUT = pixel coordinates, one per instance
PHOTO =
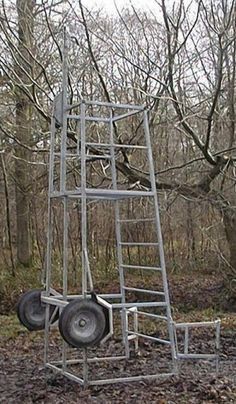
(130, 379)
(134, 337)
(86, 153)
(199, 356)
(116, 106)
(83, 193)
(59, 296)
(142, 267)
(117, 145)
(105, 194)
(111, 380)
(90, 360)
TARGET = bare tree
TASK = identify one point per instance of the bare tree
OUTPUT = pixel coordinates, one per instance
(196, 81)
(182, 66)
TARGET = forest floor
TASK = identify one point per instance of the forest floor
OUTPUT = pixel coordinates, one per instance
(23, 378)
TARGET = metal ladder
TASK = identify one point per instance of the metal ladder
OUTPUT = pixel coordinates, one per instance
(117, 193)
(158, 244)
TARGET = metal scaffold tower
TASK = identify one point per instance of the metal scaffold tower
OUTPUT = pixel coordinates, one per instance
(86, 137)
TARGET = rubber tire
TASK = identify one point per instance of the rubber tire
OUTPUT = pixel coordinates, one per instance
(32, 312)
(79, 336)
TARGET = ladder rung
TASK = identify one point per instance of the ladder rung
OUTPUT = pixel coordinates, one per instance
(138, 304)
(57, 154)
(118, 145)
(134, 244)
(141, 267)
(143, 290)
(131, 337)
(88, 118)
(163, 341)
(96, 156)
(91, 156)
(144, 313)
(150, 219)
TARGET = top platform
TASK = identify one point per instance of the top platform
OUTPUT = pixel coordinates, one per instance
(107, 104)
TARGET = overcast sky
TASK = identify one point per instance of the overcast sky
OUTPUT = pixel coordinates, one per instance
(109, 5)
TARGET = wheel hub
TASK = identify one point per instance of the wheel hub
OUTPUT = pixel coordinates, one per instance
(82, 322)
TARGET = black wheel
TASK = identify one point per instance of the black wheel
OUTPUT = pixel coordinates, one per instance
(31, 311)
(82, 323)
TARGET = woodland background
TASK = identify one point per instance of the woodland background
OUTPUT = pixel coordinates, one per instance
(180, 62)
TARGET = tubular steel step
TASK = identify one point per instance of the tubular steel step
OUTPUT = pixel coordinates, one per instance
(88, 118)
(116, 145)
(151, 315)
(134, 244)
(130, 289)
(141, 267)
(138, 304)
(162, 341)
(149, 219)
(98, 156)
(101, 193)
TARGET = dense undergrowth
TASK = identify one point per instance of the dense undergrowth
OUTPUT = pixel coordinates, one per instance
(189, 289)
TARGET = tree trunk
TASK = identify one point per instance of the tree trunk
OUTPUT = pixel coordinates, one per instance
(229, 220)
(229, 289)
(22, 211)
(23, 68)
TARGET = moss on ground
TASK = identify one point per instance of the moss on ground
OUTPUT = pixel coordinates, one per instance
(10, 327)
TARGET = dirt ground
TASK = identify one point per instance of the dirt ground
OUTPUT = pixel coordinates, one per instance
(23, 378)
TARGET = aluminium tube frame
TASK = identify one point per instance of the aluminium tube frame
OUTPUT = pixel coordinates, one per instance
(61, 114)
(125, 307)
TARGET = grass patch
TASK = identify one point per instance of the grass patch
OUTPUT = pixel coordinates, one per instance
(12, 286)
(10, 327)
